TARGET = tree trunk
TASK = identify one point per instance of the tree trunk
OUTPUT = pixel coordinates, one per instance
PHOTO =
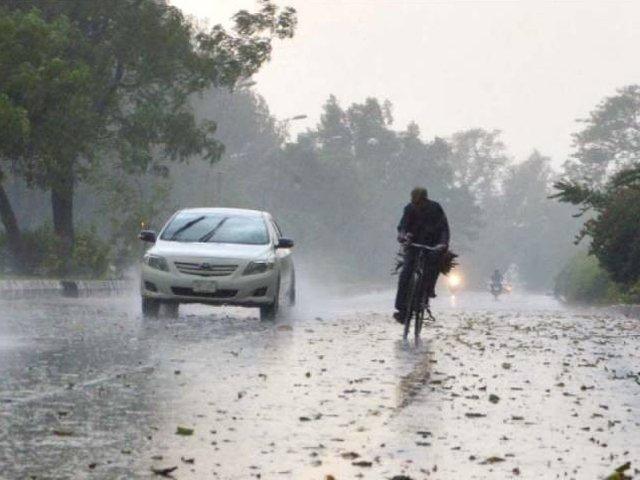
(62, 209)
(14, 239)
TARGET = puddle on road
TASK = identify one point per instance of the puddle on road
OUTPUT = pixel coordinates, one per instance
(418, 353)
(509, 392)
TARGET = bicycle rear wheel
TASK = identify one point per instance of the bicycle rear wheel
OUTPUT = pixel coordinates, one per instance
(411, 307)
(419, 321)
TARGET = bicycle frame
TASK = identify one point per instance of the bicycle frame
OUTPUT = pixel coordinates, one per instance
(416, 291)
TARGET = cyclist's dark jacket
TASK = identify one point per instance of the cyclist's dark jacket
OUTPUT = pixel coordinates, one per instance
(426, 223)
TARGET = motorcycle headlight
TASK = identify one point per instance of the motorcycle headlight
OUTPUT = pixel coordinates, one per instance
(255, 268)
(157, 262)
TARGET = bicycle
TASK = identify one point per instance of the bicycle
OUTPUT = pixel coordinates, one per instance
(417, 305)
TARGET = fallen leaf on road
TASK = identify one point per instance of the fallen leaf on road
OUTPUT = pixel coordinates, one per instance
(350, 455)
(184, 431)
(164, 472)
(619, 474)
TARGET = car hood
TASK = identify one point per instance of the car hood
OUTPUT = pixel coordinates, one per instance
(214, 250)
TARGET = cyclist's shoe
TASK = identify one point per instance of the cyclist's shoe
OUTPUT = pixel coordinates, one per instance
(429, 316)
(399, 316)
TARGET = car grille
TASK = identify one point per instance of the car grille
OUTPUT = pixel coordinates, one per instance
(188, 292)
(205, 269)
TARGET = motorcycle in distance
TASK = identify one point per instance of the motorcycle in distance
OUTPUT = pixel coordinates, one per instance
(497, 286)
(454, 282)
(496, 290)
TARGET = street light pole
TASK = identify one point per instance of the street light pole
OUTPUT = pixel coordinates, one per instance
(286, 121)
(285, 130)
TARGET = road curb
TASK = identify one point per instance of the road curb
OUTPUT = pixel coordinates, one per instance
(15, 289)
(630, 311)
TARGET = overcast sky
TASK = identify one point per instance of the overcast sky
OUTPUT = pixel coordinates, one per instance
(528, 68)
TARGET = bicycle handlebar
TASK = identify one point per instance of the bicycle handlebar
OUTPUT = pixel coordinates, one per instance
(426, 247)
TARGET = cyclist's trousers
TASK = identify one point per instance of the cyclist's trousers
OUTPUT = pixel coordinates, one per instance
(432, 271)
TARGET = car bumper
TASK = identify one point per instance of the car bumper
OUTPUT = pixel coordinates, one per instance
(249, 290)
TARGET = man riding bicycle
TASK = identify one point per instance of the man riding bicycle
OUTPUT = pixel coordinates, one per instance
(496, 280)
(424, 222)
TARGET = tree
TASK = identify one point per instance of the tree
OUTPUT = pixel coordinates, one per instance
(603, 179)
(532, 231)
(97, 82)
(614, 225)
(478, 161)
(610, 140)
(14, 129)
(370, 124)
(333, 131)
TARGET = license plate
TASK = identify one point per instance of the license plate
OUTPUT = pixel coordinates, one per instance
(204, 286)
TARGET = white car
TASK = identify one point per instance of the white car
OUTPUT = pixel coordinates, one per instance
(217, 256)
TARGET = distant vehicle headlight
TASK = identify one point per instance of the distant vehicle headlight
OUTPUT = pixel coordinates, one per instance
(454, 280)
(157, 262)
(257, 267)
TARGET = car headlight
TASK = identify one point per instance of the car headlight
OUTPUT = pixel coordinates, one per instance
(157, 262)
(261, 266)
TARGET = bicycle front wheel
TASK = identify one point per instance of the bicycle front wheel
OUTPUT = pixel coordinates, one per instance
(419, 321)
(411, 300)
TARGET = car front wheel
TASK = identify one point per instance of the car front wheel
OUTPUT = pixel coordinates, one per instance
(172, 309)
(292, 292)
(150, 307)
(269, 312)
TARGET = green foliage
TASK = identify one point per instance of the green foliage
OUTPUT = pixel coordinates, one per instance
(84, 83)
(582, 280)
(478, 160)
(525, 228)
(340, 187)
(607, 160)
(609, 140)
(90, 257)
(128, 203)
(615, 236)
(14, 126)
(103, 78)
(631, 294)
(42, 86)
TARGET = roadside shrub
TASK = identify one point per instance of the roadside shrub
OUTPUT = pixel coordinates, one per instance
(583, 280)
(90, 257)
(631, 294)
(615, 236)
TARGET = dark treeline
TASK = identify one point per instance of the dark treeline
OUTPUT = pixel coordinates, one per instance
(339, 189)
(602, 177)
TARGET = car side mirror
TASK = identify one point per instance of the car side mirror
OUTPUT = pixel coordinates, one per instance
(148, 236)
(285, 243)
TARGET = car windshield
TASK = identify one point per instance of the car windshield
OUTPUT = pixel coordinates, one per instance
(217, 228)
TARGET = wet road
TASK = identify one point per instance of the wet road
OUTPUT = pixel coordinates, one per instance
(520, 388)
